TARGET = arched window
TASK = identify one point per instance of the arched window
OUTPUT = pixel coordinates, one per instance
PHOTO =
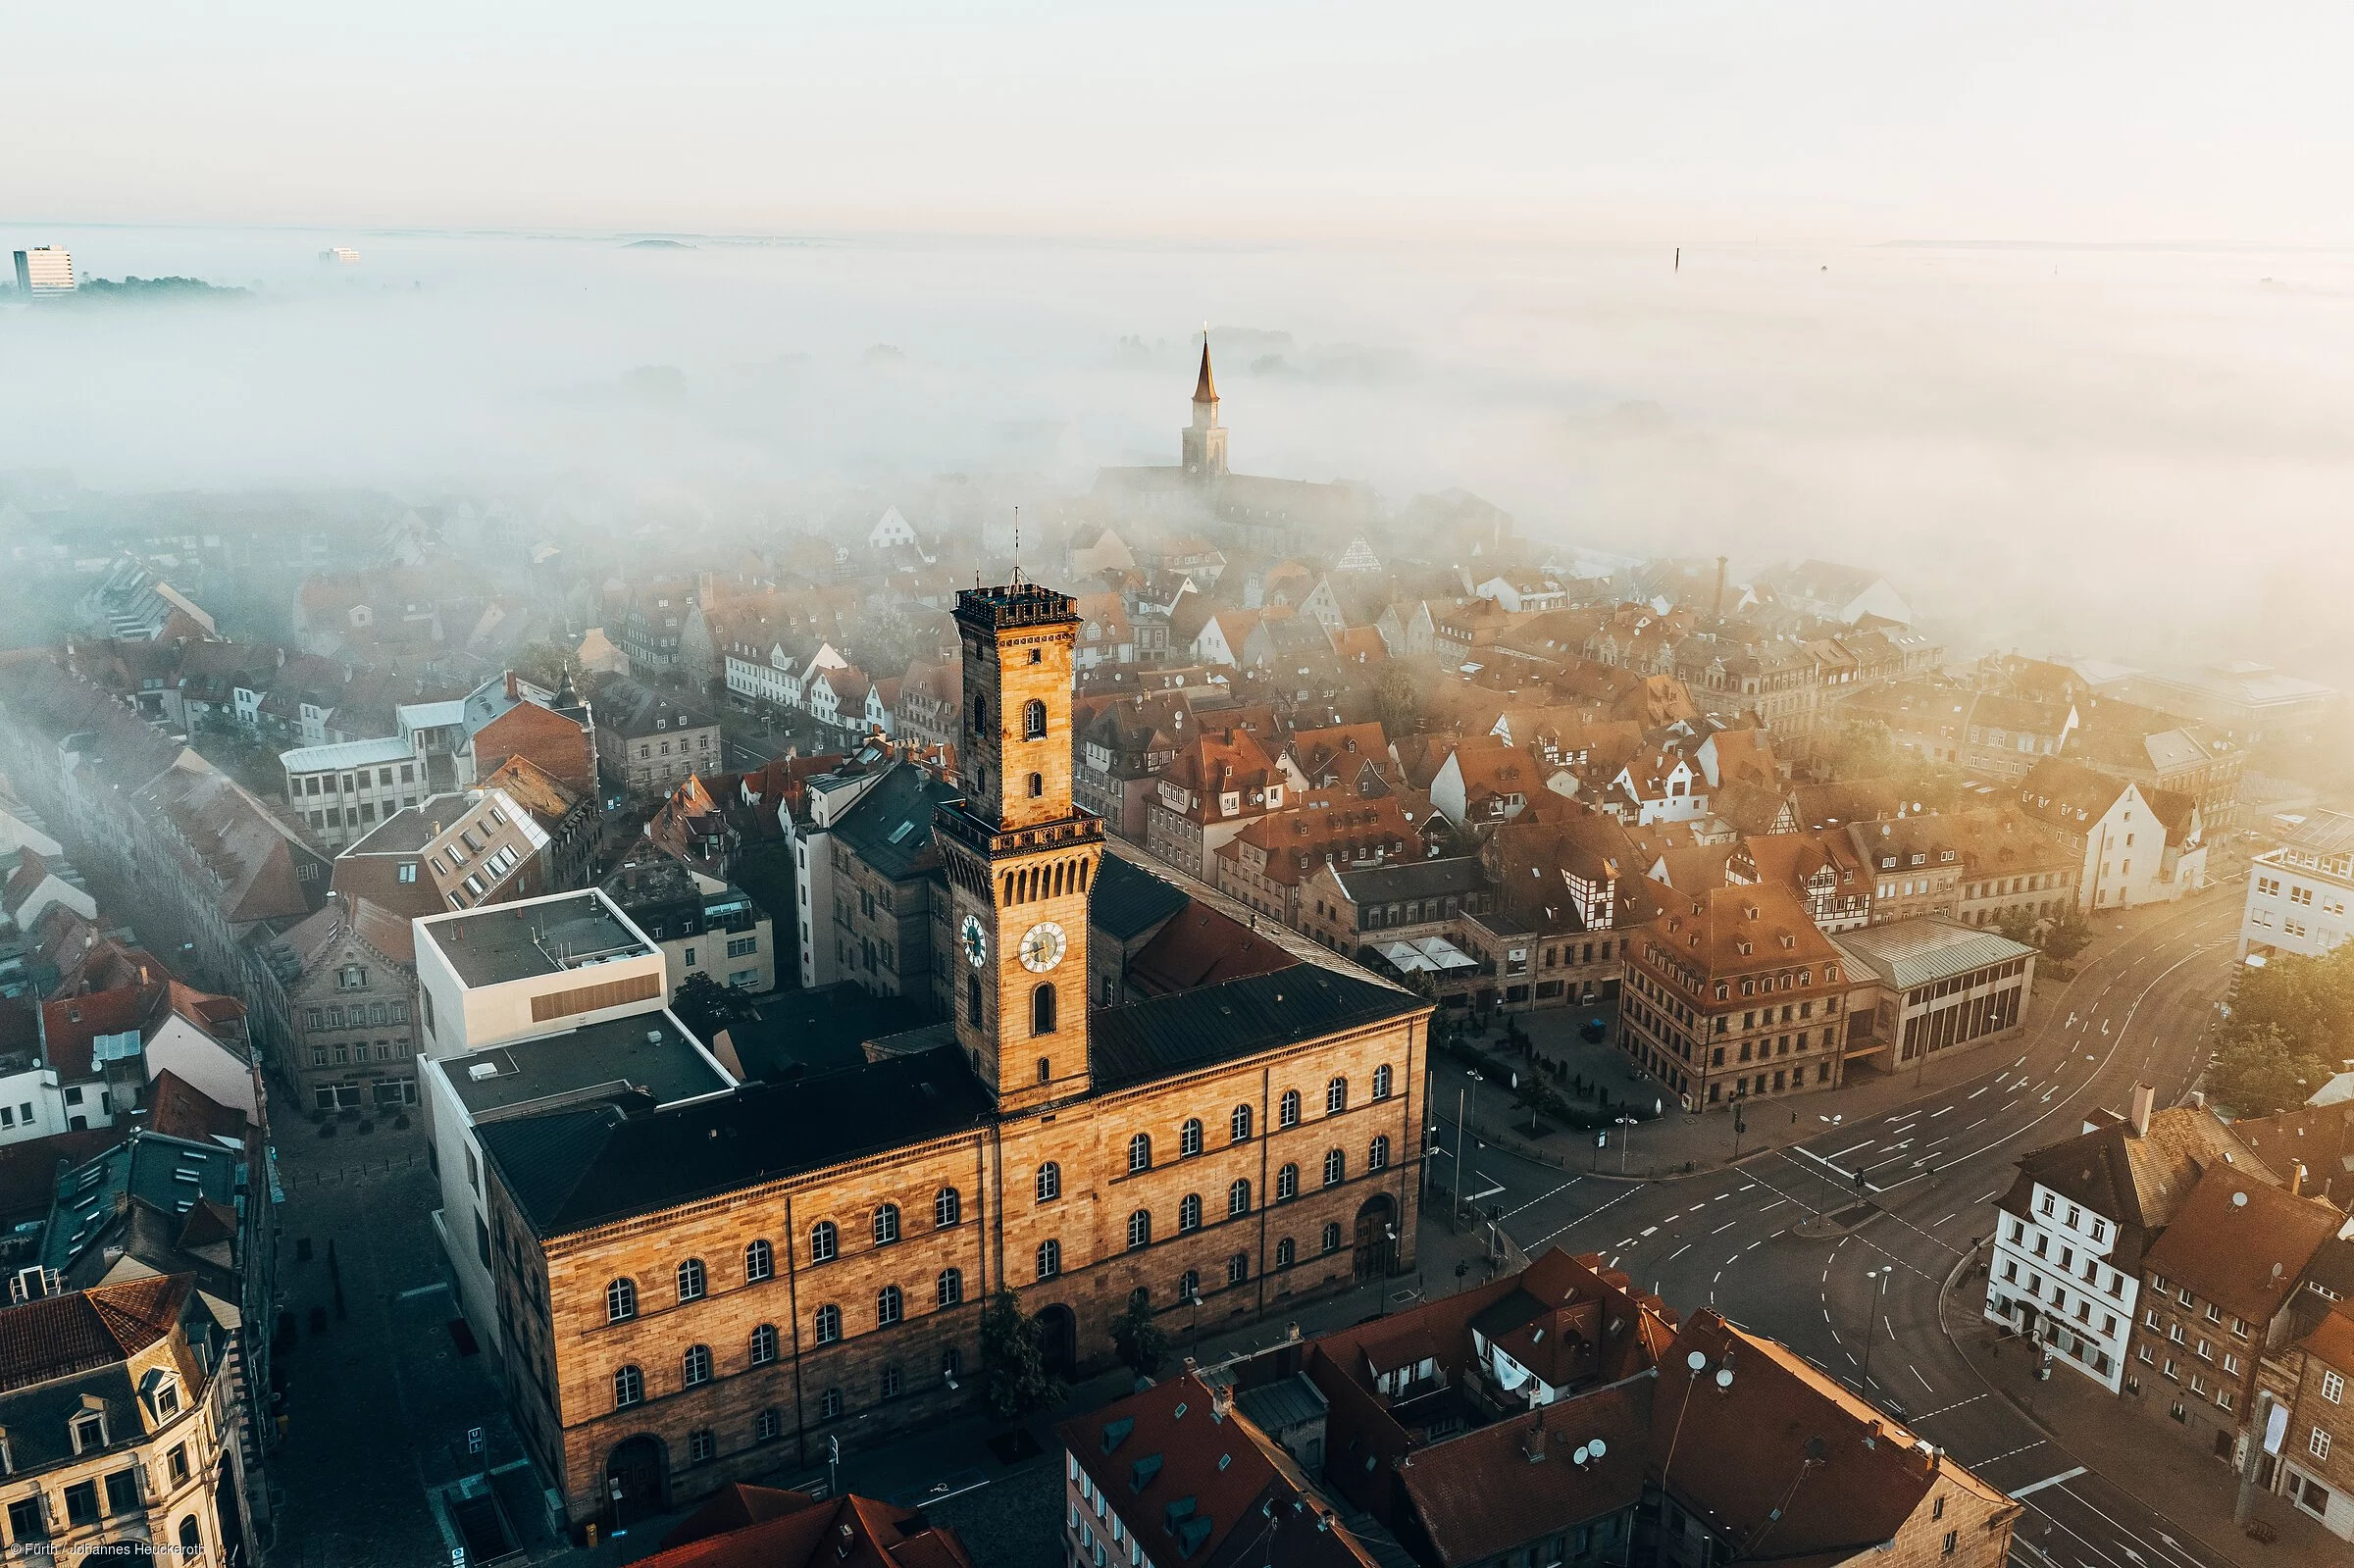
(1042, 1010)
(1189, 1139)
(1049, 1259)
(1189, 1213)
(697, 1364)
(1336, 1167)
(1377, 1157)
(1140, 1228)
(1050, 1182)
(1332, 1236)
(829, 1324)
(1034, 720)
(1238, 1198)
(1336, 1096)
(759, 1262)
(691, 1280)
(621, 1300)
(972, 999)
(1046, 1070)
(1286, 1251)
(1189, 1286)
(1381, 1082)
(764, 1345)
(1238, 1123)
(981, 714)
(1038, 784)
(629, 1387)
(1287, 1184)
(191, 1539)
(1287, 1109)
(1140, 1153)
(886, 1225)
(948, 1208)
(890, 1306)
(823, 1242)
(1238, 1268)
(948, 1289)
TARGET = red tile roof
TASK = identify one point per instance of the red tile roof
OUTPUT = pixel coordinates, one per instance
(1487, 1492)
(1200, 946)
(60, 1336)
(763, 1527)
(2242, 1242)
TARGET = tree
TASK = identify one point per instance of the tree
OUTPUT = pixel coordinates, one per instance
(2069, 935)
(706, 1007)
(1013, 1357)
(2259, 1072)
(2308, 1000)
(542, 664)
(1398, 698)
(2018, 922)
(1138, 1337)
(1862, 748)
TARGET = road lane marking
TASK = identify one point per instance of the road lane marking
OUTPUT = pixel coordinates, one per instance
(1679, 1252)
(1924, 1383)
(1726, 1226)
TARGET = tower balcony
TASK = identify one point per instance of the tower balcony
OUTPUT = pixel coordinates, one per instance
(1012, 605)
(991, 842)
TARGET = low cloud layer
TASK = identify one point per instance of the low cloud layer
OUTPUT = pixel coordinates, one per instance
(2134, 453)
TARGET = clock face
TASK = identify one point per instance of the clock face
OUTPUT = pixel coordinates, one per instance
(976, 942)
(1042, 948)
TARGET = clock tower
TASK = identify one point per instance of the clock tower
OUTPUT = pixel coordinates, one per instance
(1020, 857)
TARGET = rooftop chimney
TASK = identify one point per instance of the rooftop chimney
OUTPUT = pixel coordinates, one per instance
(2296, 1178)
(2145, 1099)
(512, 694)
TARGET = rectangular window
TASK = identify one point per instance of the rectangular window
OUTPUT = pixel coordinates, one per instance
(123, 1491)
(82, 1503)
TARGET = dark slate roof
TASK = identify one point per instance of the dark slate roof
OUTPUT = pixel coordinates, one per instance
(1125, 900)
(890, 826)
(570, 1171)
(1187, 1031)
(1410, 879)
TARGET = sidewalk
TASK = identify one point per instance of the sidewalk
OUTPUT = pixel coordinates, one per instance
(1007, 1513)
(2128, 1448)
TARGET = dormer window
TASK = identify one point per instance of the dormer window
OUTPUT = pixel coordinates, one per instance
(162, 1392)
(90, 1431)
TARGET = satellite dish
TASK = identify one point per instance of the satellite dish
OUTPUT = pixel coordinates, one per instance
(1581, 1456)
(1597, 1449)
(2239, 1200)
(1696, 1361)
(1725, 1377)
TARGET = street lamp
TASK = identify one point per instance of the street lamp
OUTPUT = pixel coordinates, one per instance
(1739, 1126)
(1696, 1363)
(1878, 1306)
(1625, 1137)
(1833, 1123)
(1463, 1101)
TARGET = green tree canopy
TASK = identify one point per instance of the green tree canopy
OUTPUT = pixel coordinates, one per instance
(1014, 1359)
(1398, 698)
(706, 1007)
(2308, 1000)
(2259, 1072)
(1138, 1338)
(2069, 935)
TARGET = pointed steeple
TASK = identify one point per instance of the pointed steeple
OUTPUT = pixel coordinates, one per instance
(1205, 390)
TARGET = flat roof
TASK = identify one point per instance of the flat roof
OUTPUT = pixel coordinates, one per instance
(648, 1053)
(1927, 948)
(347, 754)
(537, 936)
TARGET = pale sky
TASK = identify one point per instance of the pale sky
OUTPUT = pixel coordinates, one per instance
(1629, 120)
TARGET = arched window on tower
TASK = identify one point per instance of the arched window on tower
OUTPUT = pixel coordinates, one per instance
(1034, 720)
(1042, 1010)
(972, 999)
(980, 714)
(1038, 784)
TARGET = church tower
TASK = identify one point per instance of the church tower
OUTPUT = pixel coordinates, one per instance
(1205, 440)
(1020, 856)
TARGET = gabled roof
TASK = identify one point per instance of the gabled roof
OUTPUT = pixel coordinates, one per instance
(1782, 1460)
(1125, 900)
(1480, 1494)
(1200, 946)
(2242, 1242)
(762, 1527)
(61, 1335)
(2137, 1182)
(890, 827)
(2068, 796)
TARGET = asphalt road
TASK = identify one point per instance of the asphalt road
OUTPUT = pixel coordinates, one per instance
(1931, 1170)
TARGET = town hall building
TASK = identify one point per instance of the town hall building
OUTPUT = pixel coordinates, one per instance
(694, 1292)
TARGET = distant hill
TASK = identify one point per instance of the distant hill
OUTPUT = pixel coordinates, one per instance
(657, 244)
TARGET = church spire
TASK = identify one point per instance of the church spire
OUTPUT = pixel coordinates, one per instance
(1205, 390)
